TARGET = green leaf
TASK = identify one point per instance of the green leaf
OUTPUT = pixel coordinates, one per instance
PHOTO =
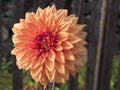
(56, 88)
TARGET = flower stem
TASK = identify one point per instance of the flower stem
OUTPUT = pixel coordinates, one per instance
(53, 86)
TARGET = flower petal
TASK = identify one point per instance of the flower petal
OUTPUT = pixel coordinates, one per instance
(50, 75)
(62, 12)
(36, 71)
(76, 29)
(19, 39)
(62, 36)
(82, 42)
(70, 65)
(59, 79)
(24, 23)
(18, 26)
(65, 26)
(73, 18)
(79, 49)
(42, 58)
(60, 57)
(83, 35)
(58, 48)
(51, 22)
(60, 15)
(67, 45)
(39, 12)
(53, 10)
(58, 42)
(49, 65)
(60, 67)
(73, 39)
(30, 18)
(51, 55)
(68, 55)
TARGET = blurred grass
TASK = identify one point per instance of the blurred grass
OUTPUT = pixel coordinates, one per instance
(115, 65)
(5, 81)
(5, 75)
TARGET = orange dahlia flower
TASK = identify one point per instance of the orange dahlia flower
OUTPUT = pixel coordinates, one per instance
(49, 44)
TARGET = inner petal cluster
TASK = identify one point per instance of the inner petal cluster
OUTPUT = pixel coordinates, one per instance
(45, 41)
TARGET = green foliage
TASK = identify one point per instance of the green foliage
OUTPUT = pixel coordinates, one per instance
(5, 75)
(81, 78)
(5, 66)
(5, 81)
(113, 81)
(56, 88)
(63, 87)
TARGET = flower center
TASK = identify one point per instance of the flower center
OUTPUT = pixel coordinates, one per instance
(45, 41)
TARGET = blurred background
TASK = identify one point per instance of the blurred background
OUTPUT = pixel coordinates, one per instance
(100, 72)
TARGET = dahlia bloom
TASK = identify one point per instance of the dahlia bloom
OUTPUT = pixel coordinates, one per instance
(49, 44)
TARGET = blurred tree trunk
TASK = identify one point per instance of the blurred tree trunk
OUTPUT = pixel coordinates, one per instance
(101, 44)
(108, 44)
(42, 3)
(0, 25)
(93, 36)
(17, 74)
(60, 4)
(0, 21)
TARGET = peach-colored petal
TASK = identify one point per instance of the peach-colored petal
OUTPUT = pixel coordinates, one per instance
(19, 39)
(60, 67)
(82, 42)
(26, 62)
(76, 29)
(83, 35)
(79, 49)
(24, 23)
(59, 78)
(65, 26)
(47, 10)
(79, 63)
(73, 39)
(67, 45)
(30, 18)
(39, 12)
(58, 42)
(60, 57)
(62, 36)
(19, 32)
(49, 65)
(17, 26)
(58, 48)
(51, 55)
(34, 72)
(51, 21)
(62, 12)
(73, 18)
(69, 55)
(50, 75)
(42, 58)
(70, 66)
(60, 15)
(53, 10)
